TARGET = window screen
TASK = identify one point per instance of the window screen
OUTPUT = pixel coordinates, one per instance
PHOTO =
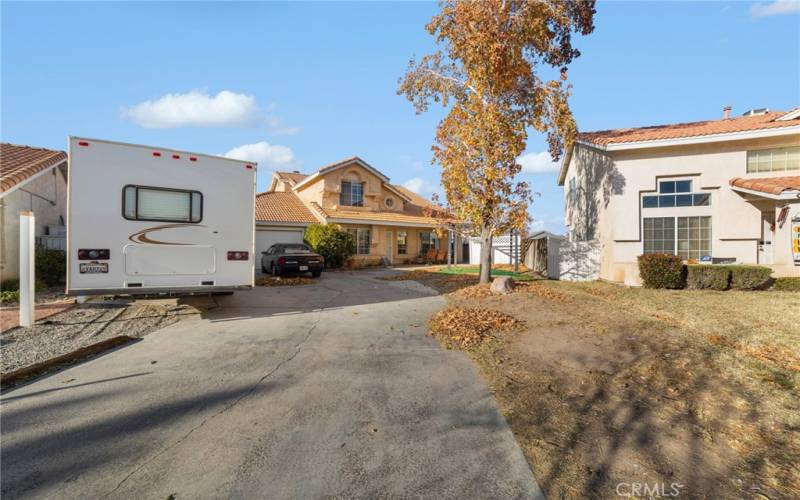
(773, 160)
(162, 204)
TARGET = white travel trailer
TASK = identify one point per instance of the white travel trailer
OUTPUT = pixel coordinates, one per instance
(144, 220)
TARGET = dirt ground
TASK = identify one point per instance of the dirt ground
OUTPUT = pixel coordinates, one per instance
(607, 387)
(86, 324)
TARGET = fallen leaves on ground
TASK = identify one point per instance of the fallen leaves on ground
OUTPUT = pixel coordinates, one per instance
(464, 327)
(474, 292)
(284, 281)
(541, 291)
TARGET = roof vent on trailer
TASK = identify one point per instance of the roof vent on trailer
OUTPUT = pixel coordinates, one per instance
(756, 112)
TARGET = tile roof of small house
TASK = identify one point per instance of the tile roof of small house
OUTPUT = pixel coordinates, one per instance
(768, 120)
(769, 185)
(20, 163)
(295, 177)
(282, 207)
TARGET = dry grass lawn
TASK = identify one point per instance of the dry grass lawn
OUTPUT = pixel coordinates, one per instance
(606, 384)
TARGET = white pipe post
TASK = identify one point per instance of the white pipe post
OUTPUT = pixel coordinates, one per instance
(27, 278)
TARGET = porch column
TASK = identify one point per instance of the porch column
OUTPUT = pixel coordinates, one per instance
(27, 278)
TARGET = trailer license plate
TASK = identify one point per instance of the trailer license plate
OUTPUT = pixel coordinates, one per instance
(304, 268)
(94, 267)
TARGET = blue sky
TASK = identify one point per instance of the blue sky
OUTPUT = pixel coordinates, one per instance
(300, 85)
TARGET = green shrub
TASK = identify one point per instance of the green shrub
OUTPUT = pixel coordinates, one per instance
(749, 277)
(331, 242)
(707, 276)
(51, 266)
(787, 284)
(9, 284)
(662, 270)
(9, 296)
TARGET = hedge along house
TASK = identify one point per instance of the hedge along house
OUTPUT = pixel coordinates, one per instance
(391, 224)
(717, 191)
(31, 179)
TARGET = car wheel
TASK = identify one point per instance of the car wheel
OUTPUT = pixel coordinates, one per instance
(275, 271)
(316, 274)
(264, 269)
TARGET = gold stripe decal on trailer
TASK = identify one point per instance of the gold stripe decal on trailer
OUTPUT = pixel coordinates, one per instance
(142, 236)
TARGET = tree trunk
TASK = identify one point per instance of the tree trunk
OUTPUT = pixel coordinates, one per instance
(486, 256)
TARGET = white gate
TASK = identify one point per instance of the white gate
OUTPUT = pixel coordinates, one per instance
(573, 260)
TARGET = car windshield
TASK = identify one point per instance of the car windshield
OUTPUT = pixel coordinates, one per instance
(296, 249)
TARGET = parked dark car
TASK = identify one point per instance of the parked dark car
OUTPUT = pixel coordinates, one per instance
(283, 258)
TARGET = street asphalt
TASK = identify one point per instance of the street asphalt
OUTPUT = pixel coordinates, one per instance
(326, 390)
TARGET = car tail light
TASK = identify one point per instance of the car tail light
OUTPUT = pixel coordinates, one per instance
(236, 255)
(94, 254)
(281, 261)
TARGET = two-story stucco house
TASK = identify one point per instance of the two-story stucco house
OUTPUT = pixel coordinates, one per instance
(390, 223)
(717, 191)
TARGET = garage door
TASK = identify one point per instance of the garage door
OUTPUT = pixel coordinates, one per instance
(265, 238)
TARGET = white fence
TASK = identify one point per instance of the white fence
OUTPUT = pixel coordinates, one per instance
(503, 251)
(573, 260)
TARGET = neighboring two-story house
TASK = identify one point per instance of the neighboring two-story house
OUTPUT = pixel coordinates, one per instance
(390, 223)
(718, 191)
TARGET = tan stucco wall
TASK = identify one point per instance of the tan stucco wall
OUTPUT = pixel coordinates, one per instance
(326, 190)
(50, 185)
(608, 205)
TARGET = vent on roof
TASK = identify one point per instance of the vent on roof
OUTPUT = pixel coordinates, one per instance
(756, 112)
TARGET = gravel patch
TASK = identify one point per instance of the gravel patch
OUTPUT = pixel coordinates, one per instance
(83, 325)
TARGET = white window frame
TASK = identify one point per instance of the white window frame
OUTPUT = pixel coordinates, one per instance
(353, 190)
(676, 237)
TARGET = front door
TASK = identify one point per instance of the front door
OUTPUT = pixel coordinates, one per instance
(767, 237)
(389, 247)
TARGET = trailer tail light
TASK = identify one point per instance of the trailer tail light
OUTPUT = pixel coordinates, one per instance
(83, 143)
(156, 153)
(94, 254)
(234, 255)
(249, 167)
(281, 261)
(192, 158)
(176, 157)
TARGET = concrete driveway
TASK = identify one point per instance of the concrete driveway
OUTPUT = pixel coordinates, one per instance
(330, 390)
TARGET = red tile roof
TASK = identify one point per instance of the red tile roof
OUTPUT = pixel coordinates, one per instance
(685, 130)
(295, 177)
(282, 207)
(770, 185)
(20, 163)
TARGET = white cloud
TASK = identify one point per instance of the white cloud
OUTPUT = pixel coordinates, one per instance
(421, 186)
(537, 163)
(265, 154)
(276, 126)
(195, 109)
(776, 8)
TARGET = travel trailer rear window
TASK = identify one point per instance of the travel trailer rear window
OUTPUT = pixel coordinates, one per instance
(161, 204)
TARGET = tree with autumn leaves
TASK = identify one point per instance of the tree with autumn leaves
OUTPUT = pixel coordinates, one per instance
(486, 73)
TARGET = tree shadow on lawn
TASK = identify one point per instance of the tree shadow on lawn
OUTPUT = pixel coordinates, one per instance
(664, 410)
